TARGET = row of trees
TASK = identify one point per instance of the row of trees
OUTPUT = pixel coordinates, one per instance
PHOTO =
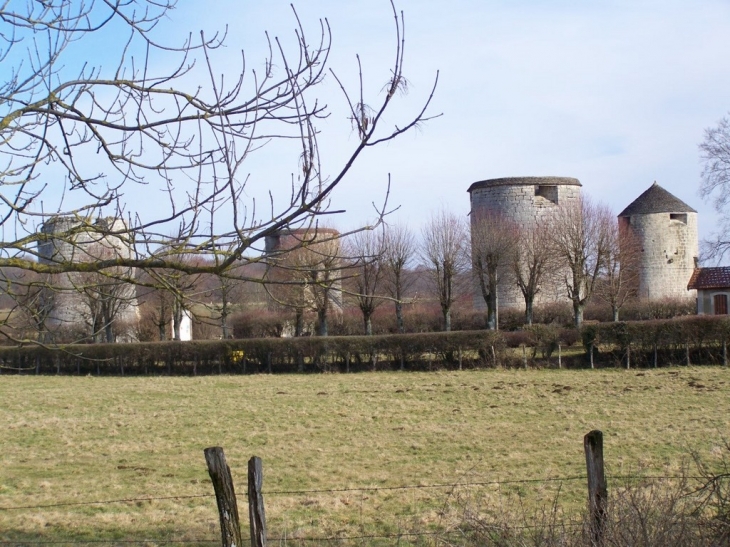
(581, 251)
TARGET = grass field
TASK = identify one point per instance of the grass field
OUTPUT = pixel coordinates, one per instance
(71, 440)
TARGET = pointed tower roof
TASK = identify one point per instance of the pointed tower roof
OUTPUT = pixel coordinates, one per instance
(656, 200)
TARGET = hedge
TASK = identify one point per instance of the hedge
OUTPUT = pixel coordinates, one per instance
(642, 343)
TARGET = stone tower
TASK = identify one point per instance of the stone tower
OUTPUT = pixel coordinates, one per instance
(666, 231)
(71, 240)
(525, 201)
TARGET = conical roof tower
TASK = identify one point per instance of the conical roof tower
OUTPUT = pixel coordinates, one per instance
(665, 229)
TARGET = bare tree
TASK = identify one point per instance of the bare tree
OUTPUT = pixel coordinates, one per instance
(149, 135)
(445, 251)
(306, 274)
(494, 241)
(399, 251)
(532, 263)
(31, 301)
(620, 280)
(108, 296)
(715, 182)
(580, 239)
(365, 250)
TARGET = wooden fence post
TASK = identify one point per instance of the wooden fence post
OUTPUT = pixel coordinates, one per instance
(225, 495)
(597, 488)
(256, 514)
(560, 356)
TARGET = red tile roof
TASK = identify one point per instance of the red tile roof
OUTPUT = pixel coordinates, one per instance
(710, 278)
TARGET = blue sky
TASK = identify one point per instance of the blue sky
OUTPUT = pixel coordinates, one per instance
(614, 93)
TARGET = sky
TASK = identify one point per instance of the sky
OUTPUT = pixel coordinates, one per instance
(615, 93)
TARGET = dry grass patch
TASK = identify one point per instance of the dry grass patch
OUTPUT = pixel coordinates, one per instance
(71, 439)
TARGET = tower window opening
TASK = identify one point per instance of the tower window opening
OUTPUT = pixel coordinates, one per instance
(549, 192)
(681, 217)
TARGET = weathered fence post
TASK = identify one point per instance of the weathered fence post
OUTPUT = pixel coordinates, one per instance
(687, 352)
(597, 488)
(724, 352)
(256, 514)
(225, 495)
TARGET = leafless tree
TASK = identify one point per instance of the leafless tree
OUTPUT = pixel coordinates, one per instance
(399, 252)
(494, 241)
(445, 252)
(306, 275)
(532, 263)
(620, 280)
(107, 135)
(31, 301)
(107, 295)
(715, 182)
(365, 251)
(325, 274)
(580, 239)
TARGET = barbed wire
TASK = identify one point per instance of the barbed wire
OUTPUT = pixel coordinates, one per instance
(104, 502)
(420, 486)
(358, 489)
(444, 533)
(112, 541)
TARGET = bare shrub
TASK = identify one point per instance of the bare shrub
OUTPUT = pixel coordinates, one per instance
(641, 513)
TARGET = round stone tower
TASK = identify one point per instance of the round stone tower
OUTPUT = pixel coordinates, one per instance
(69, 239)
(524, 201)
(666, 231)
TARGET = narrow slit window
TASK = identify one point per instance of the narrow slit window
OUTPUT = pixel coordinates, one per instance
(681, 217)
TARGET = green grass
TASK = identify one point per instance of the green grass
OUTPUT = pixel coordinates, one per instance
(79, 439)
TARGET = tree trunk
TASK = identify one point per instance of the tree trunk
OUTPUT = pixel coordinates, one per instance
(176, 321)
(322, 321)
(447, 320)
(109, 332)
(299, 323)
(399, 316)
(578, 314)
(615, 313)
(368, 325)
(528, 311)
(492, 310)
(224, 320)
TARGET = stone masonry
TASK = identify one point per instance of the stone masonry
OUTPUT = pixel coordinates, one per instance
(667, 233)
(524, 201)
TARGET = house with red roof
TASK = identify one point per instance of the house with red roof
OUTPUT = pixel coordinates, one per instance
(713, 289)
